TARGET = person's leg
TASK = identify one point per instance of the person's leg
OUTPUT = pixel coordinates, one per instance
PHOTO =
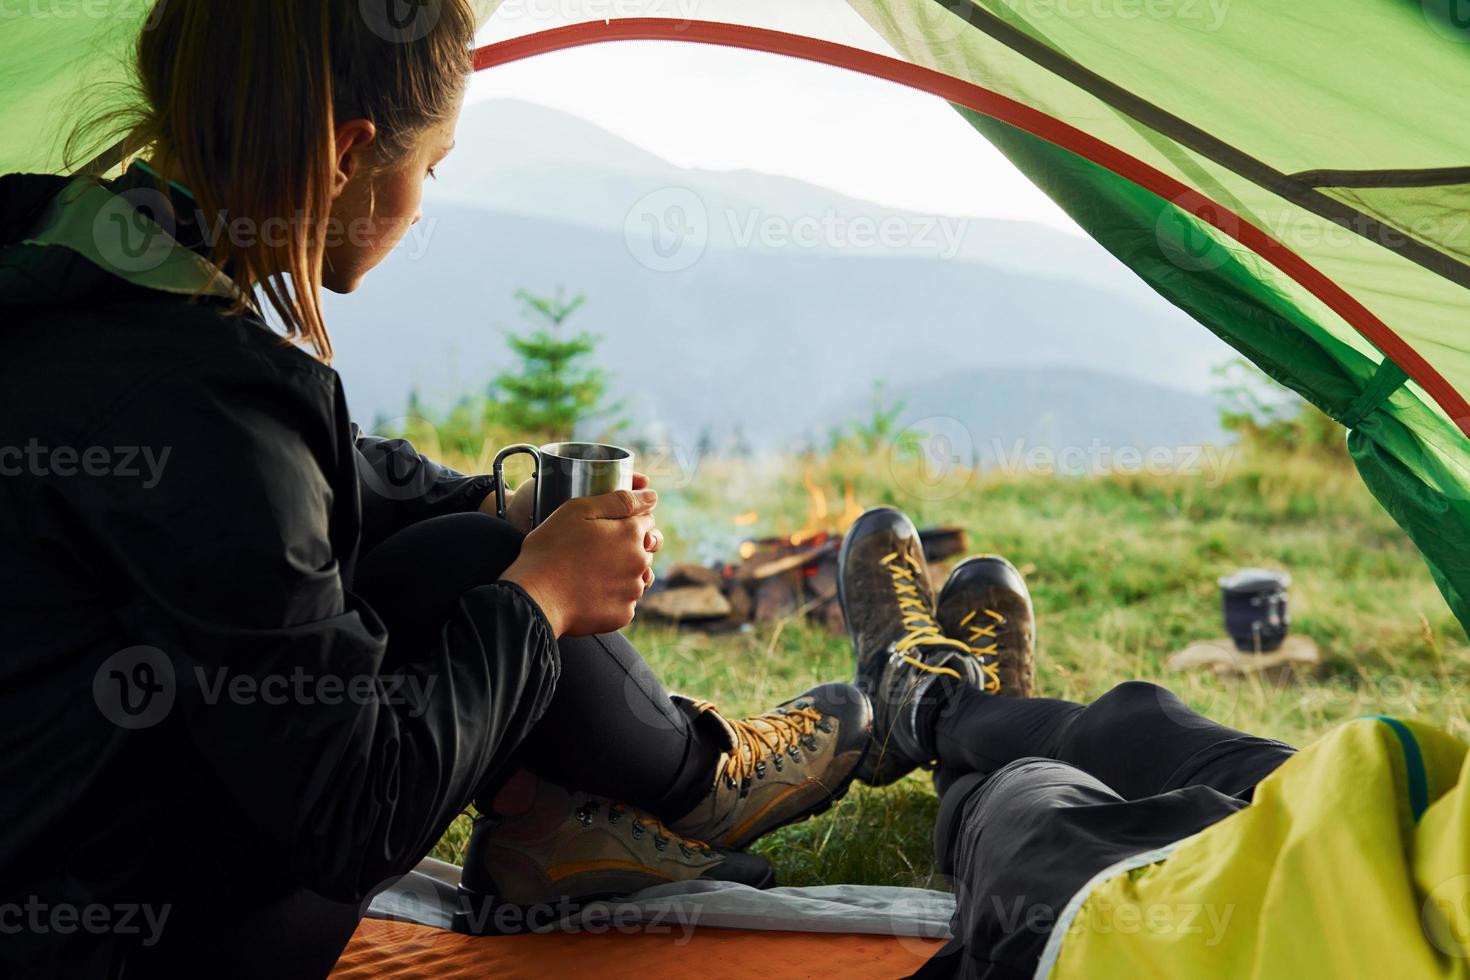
(616, 787)
(645, 751)
(1139, 739)
(271, 925)
(1018, 843)
(611, 729)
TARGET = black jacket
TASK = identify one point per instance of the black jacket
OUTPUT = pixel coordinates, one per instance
(182, 499)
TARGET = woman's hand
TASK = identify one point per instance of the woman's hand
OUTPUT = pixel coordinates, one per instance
(589, 563)
(521, 504)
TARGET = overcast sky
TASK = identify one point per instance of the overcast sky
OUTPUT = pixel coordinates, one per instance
(704, 107)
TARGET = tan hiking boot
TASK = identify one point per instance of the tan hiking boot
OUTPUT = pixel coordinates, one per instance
(985, 604)
(786, 765)
(546, 851)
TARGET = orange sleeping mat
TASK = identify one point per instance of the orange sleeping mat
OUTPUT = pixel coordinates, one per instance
(397, 950)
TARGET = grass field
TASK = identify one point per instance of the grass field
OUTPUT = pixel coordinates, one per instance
(1122, 569)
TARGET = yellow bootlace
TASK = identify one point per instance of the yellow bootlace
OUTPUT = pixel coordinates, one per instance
(647, 821)
(989, 654)
(917, 617)
(775, 732)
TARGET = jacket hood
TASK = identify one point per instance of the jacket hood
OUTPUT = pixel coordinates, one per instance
(67, 240)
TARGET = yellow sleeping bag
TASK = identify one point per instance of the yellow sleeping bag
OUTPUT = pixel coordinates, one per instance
(1352, 861)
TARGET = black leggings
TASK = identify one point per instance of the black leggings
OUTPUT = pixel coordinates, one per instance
(1039, 795)
(610, 728)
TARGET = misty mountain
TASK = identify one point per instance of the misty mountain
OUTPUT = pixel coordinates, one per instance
(704, 331)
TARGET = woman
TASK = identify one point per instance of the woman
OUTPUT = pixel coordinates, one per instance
(255, 661)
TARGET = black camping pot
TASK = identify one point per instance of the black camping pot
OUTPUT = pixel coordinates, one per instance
(1256, 615)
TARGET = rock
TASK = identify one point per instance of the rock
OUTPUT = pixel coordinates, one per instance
(1297, 656)
(685, 574)
(776, 598)
(741, 607)
(684, 603)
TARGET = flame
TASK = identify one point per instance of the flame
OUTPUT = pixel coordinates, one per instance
(816, 515)
(851, 509)
(820, 523)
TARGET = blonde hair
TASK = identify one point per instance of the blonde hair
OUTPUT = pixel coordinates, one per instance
(244, 98)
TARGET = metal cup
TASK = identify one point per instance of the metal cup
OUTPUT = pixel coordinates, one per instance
(566, 471)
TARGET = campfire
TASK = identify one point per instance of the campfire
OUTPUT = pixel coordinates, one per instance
(775, 578)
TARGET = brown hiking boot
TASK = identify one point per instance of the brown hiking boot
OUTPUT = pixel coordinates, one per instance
(786, 765)
(546, 851)
(888, 602)
(986, 605)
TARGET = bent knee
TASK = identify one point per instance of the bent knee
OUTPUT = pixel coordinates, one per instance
(1131, 697)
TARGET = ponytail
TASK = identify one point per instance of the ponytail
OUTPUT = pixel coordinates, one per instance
(242, 102)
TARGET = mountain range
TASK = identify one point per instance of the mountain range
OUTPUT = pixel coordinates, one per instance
(742, 301)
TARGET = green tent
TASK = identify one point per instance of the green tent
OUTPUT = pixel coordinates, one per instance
(1288, 174)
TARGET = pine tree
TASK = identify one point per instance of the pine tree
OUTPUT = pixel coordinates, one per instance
(554, 389)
